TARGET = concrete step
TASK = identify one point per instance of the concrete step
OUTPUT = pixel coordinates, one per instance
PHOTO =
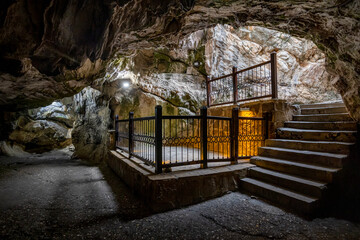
(336, 117)
(322, 105)
(350, 126)
(296, 184)
(316, 173)
(280, 196)
(317, 135)
(323, 110)
(317, 146)
(308, 157)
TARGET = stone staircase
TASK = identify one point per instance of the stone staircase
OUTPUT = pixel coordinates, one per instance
(295, 169)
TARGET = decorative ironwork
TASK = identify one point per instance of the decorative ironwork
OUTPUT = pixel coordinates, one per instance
(168, 141)
(181, 140)
(143, 138)
(219, 139)
(251, 136)
(122, 134)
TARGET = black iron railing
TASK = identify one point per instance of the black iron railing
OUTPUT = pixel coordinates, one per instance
(255, 82)
(169, 141)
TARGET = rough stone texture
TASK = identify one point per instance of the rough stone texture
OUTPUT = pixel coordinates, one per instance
(171, 74)
(171, 190)
(38, 130)
(58, 111)
(92, 119)
(41, 135)
(38, 45)
(301, 65)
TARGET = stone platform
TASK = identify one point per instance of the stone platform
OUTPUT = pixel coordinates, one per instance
(178, 188)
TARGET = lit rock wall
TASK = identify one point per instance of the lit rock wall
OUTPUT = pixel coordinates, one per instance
(92, 119)
(40, 130)
(302, 76)
(40, 54)
(176, 76)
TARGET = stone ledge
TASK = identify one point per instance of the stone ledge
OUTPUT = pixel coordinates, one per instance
(177, 189)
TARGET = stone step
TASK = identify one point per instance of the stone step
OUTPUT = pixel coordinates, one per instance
(322, 105)
(336, 117)
(323, 110)
(296, 184)
(308, 157)
(317, 135)
(317, 146)
(350, 126)
(316, 173)
(280, 196)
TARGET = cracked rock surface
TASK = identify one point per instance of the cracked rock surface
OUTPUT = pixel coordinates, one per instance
(53, 196)
(53, 49)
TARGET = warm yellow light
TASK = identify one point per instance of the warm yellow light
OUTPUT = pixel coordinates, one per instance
(246, 113)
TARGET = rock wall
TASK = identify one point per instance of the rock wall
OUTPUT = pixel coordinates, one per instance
(43, 59)
(175, 77)
(302, 76)
(92, 119)
(40, 130)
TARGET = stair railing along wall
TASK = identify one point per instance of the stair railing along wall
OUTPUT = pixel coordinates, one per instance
(255, 82)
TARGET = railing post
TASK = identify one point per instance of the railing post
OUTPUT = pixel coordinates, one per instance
(158, 139)
(266, 117)
(116, 130)
(131, 133)
(235, 84)
(274, 90)
(234, 137)
(208, 98)
(203, 137)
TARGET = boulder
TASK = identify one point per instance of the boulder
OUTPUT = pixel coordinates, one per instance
(41, 135)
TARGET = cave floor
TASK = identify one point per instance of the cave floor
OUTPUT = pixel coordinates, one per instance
(51, 196)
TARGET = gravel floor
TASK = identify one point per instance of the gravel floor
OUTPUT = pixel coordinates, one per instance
(51, 196)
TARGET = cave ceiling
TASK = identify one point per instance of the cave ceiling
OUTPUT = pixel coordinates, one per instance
(50, 49)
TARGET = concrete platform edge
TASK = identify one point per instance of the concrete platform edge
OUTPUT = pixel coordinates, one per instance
(168, 191)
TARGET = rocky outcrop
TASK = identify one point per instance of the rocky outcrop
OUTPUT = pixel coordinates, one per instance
(45, 44)
(40, 136)
(92, 119)
(176, 77)
(302, 76)
(40, 130)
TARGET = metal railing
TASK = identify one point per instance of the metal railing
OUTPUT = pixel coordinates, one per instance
(169, 141)
(255, 82)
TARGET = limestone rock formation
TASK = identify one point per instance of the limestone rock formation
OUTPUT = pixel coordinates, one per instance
(52, 49)
(92, 119)
(177, 76)
(41, 129)
(41, 135)
(302, 76)
(164, 50)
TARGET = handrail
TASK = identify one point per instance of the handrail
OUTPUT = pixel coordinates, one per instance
(218, 118)
(197, 140)
(221, 77)
(240, 71)
(244, 87)
(137, 119)
(252, 67)
(181, 117)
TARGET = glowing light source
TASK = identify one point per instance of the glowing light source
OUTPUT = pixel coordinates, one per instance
(126, 84)
(245, 112)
